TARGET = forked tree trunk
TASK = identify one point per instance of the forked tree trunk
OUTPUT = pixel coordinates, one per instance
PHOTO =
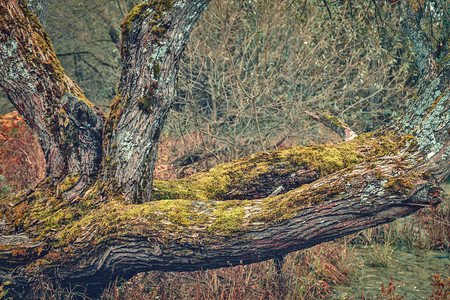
(77, 232)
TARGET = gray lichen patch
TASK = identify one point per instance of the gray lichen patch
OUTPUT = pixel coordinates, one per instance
(428, 117)
(372, 190)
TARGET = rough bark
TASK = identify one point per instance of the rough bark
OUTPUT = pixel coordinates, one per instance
(327, 191)
(68, 126)
(423, 51)
(154, 36)
(39, 8)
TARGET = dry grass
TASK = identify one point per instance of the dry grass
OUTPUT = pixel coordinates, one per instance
(308, 274)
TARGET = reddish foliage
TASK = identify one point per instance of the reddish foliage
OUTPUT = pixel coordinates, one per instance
(441, 287)
(22, 162)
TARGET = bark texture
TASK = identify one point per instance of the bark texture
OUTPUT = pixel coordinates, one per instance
(154, 36)
(39, 8)
(68, 126)
(249, 210)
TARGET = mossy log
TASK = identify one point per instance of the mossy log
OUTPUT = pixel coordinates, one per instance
(253, 209)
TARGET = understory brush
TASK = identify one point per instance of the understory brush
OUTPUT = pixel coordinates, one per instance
(308, 274)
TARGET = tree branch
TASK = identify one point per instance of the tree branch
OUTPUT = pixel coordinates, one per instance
(117, 239)
(423, 51)
(328, 191)
(38, 87)
(334, 124)
(39, 8)
(445, 28)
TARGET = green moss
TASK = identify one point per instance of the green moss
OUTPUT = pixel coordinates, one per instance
(102, 214)
(200, 186)
(37, 50)
(322, 158)
(69, 182)
(229, 219)
(35, 45)
(146, 103)
(71, 136)
(139, 10)
(157, 7)
(160, 31)
(113, 117)
(81, 97)
(283, 207)
(176, 211)
(156, 70)
(116, 218)
(399, 186)
(332, 120)
(245, 172)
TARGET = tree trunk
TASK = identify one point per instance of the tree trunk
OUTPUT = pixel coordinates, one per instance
(68, 126)
(154, 36)
(249, 210)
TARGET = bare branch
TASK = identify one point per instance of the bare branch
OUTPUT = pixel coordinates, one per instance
(334, 124)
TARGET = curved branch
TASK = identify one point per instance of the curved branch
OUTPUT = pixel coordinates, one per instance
(68, 126)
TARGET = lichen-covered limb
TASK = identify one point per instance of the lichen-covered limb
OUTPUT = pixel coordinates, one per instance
(445, 49)
(68, 126)
(90, 240)
(371, 180)
(334, 124)
(428, 120)
(368, 181)
(154, 35)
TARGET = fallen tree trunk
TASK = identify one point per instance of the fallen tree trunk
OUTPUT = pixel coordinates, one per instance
(249, 210)
(99, 237)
